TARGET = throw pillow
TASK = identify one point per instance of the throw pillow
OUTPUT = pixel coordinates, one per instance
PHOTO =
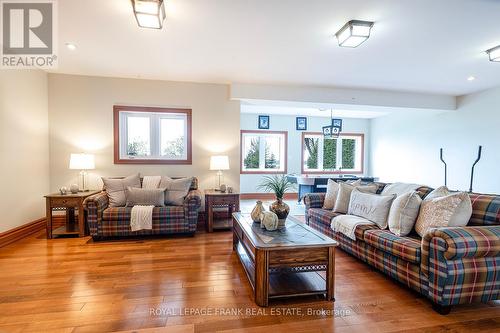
(145, 197)
(404, 213)
(463, 212)
(399, 188)
(176, 189)
(115, 188)
(332, 190)
(344, 196)
(373, 207)
(438, 212)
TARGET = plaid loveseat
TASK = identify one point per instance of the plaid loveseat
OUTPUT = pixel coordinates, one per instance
(450, 266)
(104, 221)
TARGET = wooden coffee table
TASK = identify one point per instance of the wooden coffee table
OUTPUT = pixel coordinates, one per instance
(285, 262)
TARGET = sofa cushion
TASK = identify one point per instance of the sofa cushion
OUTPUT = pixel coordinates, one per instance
(485, 209)
(322, 216)
(403, 247)
(159, 213)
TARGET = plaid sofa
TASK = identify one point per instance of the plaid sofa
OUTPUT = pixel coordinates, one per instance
(450, 266)
(104, 221)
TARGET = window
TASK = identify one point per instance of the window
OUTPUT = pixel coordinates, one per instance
(341, 155)
(263, 152)
(147, 135)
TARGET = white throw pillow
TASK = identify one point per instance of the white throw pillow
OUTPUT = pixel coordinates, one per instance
(344, 195)
(176, 189)
(116, 187)
(439, 211)
(332, 190)
(404, 213)
(462, 214)
(399, 188)
(373, 207)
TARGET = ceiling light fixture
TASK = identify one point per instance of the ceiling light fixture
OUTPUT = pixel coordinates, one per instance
(471, 78)
(149, 13)
(494, 53)
(71, 46)
(354, 33)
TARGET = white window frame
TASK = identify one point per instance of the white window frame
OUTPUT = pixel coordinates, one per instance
(359, 158)
(262, 153)
(155, 115)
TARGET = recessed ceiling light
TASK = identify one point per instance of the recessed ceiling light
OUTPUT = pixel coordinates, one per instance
(471, 78)
(353, 33)
(494, 53)
(149, 13)
(71, 46)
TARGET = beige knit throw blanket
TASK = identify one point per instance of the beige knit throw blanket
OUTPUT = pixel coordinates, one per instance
(141, 218)
(346, 224)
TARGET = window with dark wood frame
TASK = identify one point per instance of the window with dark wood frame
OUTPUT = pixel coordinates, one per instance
(152, 135)
(354, 145)
(259, 153)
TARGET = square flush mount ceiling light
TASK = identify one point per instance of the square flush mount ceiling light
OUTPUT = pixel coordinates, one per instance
(494, 53)
(353, 33)
(149, 13)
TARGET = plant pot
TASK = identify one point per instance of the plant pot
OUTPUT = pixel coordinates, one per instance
(281, 209)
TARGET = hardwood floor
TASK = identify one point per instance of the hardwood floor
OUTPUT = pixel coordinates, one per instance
(163, 285)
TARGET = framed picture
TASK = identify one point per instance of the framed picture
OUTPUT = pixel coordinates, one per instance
(336, 131)
(263, 122)
(337, 123)
(327, 131)
(301, 123)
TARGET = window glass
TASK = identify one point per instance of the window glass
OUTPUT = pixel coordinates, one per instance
(138, 136)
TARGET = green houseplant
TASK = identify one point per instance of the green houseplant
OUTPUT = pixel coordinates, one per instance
(279, 185)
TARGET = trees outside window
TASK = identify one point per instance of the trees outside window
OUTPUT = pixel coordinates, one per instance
(341, 155)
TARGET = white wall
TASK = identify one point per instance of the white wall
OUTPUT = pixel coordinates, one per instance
(406, 147)
(248, 121)
(81, 120)
(24, 147)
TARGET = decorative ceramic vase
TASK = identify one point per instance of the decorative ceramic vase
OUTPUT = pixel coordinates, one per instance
(63, 190)
(74, 188)
(256, 211)
(269, 220)
(281, 210)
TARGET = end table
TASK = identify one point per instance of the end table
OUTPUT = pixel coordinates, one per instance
(217, 199)
(68, 202)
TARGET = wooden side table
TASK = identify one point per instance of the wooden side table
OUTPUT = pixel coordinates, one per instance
(216, 199)
(68, 202)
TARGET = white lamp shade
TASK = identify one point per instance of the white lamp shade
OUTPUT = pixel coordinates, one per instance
(219, 162)
(82, 162)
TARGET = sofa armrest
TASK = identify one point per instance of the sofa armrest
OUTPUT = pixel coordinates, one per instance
(193, 199)
(94, 206)
(314, 200)
(461, 264)
(463, 242)
(192, 205)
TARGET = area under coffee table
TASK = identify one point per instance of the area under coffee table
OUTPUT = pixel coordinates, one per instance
(285, 262)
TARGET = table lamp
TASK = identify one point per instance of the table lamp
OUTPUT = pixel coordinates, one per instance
(219, 163)
(82, 162)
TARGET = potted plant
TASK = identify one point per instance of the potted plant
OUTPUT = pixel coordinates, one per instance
(279, 185)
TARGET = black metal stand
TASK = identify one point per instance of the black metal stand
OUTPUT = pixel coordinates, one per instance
(445, 167)
(473, 165)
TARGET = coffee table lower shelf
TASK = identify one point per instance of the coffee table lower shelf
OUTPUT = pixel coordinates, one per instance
(283, 282)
